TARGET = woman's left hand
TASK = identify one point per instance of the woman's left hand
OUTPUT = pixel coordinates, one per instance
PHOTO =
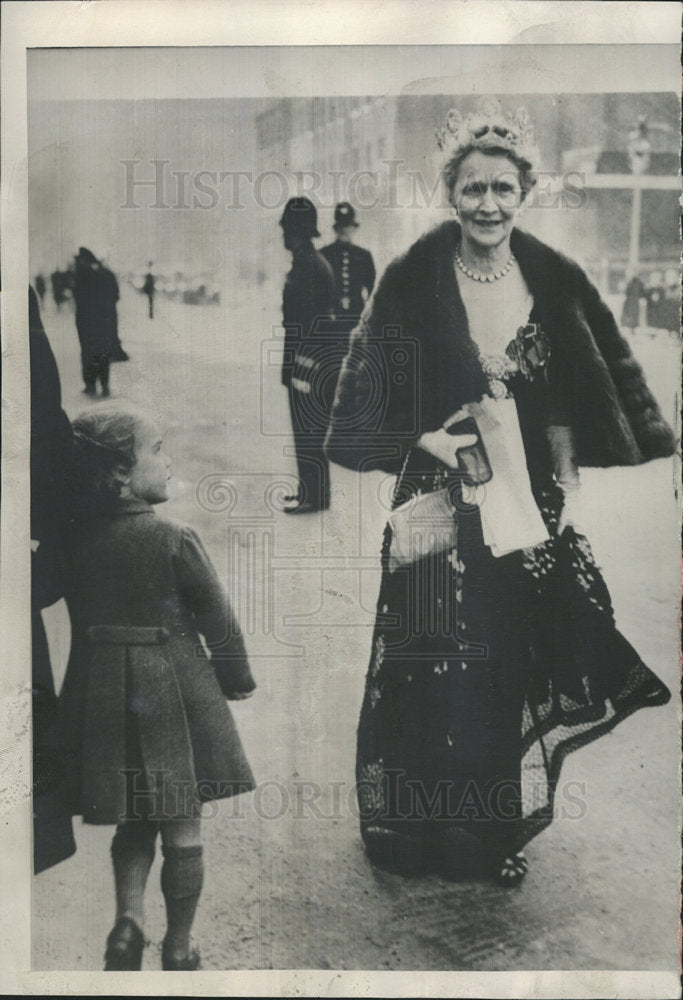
(240, 695)
(572, 513)
(566, 470)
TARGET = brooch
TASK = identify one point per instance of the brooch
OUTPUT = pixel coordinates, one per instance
(530, 350)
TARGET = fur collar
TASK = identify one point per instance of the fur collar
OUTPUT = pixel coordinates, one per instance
(593, 376)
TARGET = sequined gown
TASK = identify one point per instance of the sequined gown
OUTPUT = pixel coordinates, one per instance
(485, 672)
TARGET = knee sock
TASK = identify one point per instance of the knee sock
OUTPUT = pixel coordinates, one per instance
(132, 853)
(182, 876)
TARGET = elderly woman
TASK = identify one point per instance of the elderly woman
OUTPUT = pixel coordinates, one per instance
(484, 372)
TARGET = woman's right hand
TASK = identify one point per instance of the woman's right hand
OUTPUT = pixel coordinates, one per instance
(445, 446)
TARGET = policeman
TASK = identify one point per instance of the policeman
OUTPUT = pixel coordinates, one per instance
(353, 267)
(307, 311)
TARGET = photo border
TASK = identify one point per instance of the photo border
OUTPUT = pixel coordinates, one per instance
(182, 23)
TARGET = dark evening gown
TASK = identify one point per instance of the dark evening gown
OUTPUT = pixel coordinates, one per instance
(486, 672)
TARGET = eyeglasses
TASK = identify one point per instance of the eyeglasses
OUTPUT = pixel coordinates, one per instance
(506, 193)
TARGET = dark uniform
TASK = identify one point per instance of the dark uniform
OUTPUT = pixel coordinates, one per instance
(354, 279)
(307, 312)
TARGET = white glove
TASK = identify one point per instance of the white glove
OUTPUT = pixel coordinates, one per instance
(566, 471)
(445, 446)
(572, 512)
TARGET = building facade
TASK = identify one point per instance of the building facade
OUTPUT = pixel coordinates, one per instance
(380, 154)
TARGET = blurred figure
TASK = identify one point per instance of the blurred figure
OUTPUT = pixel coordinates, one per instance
(40, 288)
(655, 300)
(59, 287)
(96, 293)
(634, 292)
(353, 269)
(148, 290)
(51, 451)
(110, 291)
(672, 301)
(639, 147)
(308, 299)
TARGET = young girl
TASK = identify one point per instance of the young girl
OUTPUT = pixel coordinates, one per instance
(143, 718)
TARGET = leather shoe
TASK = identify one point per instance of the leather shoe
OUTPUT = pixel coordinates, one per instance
(190, 962)
(306, 507)
(124, 947)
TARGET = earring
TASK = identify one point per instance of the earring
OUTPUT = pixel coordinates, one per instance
(454, 211)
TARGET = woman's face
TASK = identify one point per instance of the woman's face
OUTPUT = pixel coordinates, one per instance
(152, 470)
(487, 195)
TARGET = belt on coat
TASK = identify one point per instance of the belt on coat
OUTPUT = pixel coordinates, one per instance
(128, 673)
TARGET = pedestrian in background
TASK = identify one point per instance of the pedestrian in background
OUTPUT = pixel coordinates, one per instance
(96, 293)
(148, 290)
(309, 366)
(142, 719)
(655, 308)
(671, 310)
(633, 294)
(353, 269)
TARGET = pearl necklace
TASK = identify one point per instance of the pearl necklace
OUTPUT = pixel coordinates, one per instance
(476, 276)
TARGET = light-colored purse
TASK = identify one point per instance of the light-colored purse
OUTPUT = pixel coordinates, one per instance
(422, 526)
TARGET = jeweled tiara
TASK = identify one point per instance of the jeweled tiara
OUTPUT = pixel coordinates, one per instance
(488, 127)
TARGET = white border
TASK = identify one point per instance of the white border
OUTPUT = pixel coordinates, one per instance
(255, 23)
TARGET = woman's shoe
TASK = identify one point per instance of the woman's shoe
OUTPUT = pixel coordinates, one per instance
(189, 963)
(512, 869)
(124, 947)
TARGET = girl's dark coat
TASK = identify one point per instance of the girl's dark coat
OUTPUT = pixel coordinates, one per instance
(396, 383)
(157, 707)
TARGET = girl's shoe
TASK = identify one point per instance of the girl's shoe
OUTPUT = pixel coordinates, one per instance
(512, 869)
(189, 963)
(124, 947)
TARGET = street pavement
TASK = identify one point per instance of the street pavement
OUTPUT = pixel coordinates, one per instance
(287, 882)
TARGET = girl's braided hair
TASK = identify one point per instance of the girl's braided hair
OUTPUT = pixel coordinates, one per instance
(104, 455)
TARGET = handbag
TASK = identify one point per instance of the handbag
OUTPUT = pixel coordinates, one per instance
(420, 527)
(473, 461)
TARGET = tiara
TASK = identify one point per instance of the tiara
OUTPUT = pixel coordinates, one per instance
(488, 128)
